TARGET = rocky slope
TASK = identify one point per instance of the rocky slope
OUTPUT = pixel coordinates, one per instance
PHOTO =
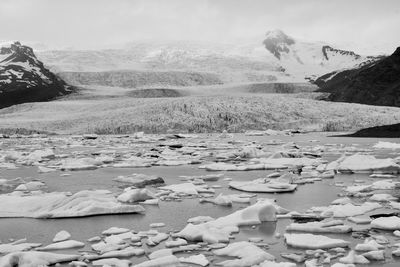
(376, 83)
(310, 59)
(23, 78)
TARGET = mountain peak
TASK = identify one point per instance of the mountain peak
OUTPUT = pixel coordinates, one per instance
(277, 42)
(397, 52)
(277, 34)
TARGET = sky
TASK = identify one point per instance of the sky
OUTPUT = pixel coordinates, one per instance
(365, 26)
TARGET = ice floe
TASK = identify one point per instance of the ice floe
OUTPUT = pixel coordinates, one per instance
(60, 204)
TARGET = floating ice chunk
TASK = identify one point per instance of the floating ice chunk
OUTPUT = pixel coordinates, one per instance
(200, 219)
(310, 241)
(94, 239)
(365, 164)
(219, 200)
(154, 201)
(207, 177)
(35, 258)
(386, 223)
(135, 195)
(336, 226)
(375, 255)
(173, 162)
(184, 188)
(77, 264)
(16, 246)
(157, 225)
(347, 210)
(396, 252)
(296, 257)
(160, 253)
(338, 264)
(360, 220)
(115, 230)
(219, 230)
(368, 245)
(248, 254)
(61, 236)
(382, 197)
(79, 164)
(104, 159)
(114, 262)
(37, 156)
(140, 180)
(219, 166)
(358, 188)
(103, 247)
(30, 186)
(353, 258)
(68, 244)
(167, 261)
(42, 169)
(396, 233)
(387, 145)
(118, 253)
(286, 162)
(263, 186)
(383, 185)
(176, 243)
(157, 239)
(196, 260)
(379, 175)
(341, 201)
(114, 239)
(276, 264)
(59, 205)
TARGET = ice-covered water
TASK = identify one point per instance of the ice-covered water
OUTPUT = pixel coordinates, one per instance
(176, 213)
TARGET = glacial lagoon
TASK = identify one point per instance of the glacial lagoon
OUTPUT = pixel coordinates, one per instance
(184, 154)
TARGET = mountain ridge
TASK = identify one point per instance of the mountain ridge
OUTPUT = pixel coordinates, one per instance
(23, 78)
(375, 83)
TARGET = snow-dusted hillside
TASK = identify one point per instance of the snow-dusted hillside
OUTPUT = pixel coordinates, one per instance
(23, 78)
(310, 59)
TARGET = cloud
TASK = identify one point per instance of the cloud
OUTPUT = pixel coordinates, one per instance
(367, 25)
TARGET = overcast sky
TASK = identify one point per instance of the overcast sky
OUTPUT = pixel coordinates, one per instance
(366, 26)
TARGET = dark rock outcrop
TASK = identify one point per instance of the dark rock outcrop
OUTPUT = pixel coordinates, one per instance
(277, 42)
(23, 78)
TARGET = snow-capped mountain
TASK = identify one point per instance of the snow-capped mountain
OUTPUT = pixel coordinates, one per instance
(23, 78)
(310, 59)
(376, 83)
(278, 57)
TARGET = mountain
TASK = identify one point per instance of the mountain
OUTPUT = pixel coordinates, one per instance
(376, 83)
(23, 78)
(276, 58)
(309, 59)
(232, 63)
